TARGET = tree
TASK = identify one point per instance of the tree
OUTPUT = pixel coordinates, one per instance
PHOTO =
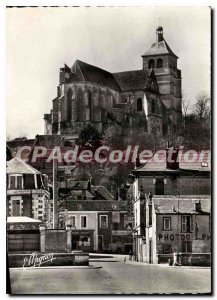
(90, 137)
(201, 108)
(185, 108)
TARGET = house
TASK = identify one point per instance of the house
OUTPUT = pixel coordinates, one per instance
(177, 225)
(98, 225)
(159, 176)
(26, 190)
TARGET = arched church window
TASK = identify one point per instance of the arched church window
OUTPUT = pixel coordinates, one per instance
(159, 63)
(90, 105)
(153, 106)
(151, 64)
(80, 105)
(69, 104)
(139, 104)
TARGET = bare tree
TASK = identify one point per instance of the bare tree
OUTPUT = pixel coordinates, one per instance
(201, 108)
(185, 104)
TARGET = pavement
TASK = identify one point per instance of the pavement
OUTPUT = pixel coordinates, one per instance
(110, 275)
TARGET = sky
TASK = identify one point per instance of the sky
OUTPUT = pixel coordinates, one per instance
(40, 40)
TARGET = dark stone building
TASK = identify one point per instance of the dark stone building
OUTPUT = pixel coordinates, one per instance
(148, 98)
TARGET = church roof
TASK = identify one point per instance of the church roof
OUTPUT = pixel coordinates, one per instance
(94, 74)
(159, 48)
(131, 80)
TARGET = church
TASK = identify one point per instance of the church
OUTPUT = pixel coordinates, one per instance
(149, 98)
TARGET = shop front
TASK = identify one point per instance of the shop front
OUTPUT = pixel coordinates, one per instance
(83, 240)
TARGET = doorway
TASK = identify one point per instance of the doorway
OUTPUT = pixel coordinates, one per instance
(150, 252)
(100, 243)
(75, 239)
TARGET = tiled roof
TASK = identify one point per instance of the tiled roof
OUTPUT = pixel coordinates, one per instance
(101, 190)
(18, 166)
(96, 205)
(94, 74)
(159, 48)
(158, 163)
(183, 204)
(131, 80)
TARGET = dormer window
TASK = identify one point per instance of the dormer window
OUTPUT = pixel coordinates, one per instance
(16, 181)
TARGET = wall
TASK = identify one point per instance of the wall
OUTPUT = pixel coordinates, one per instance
(55, 240)
(186, 185)
(175, 236)
(19, 241)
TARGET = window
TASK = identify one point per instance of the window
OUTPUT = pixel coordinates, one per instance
(80, 106)
(72, 221)
(12, 182)
(69, 104)
(153, 106)
(83, 222)
(84, 241)
(139, 104)
(16, 182)
(103, 221)
(151, 64)
(167, 248)
(19, 182)
(186, 223)
(159, 186)
(40, 206)
(166, 223)
(186, 247)
(159, 63)
(115, 226)
(16, 207)
(40, 212)
(150, 215)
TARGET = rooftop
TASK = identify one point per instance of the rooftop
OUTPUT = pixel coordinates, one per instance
(94, 74)
(96, 205)
(183, 204)
(18, 166)
(22, 220)
(159, 48)
(132, 80)
(158, 163)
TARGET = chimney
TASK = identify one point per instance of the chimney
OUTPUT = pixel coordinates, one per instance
(138, 162)
(159, 34)
(197, 206)
(172, 152)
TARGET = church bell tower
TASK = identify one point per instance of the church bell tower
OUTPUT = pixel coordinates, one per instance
(163, 61)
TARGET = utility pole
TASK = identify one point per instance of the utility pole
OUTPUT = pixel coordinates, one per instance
(55, 195)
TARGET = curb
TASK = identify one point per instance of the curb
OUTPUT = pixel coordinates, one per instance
(59, 267)
(166, 265)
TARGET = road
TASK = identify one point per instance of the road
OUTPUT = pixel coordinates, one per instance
(114, 277)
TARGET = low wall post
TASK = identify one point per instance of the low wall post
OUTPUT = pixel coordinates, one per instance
(42, 237)
(69, 237)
